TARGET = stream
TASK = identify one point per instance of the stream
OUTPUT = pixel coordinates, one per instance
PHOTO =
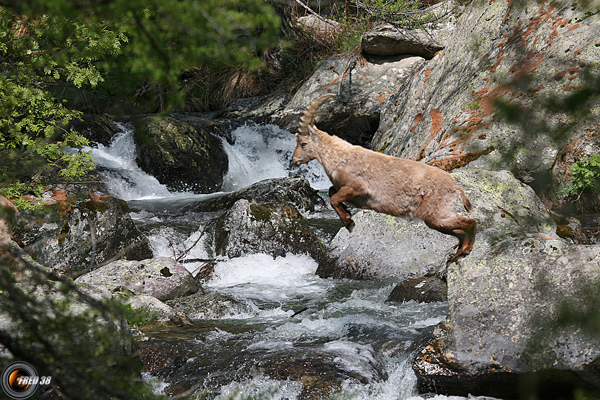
(292, 334)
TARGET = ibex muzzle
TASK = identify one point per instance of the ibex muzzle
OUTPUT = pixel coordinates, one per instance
(386, 184)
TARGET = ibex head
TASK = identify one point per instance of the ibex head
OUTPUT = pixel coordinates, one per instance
(306, 139)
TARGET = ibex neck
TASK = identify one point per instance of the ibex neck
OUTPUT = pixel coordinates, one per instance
(331, 151)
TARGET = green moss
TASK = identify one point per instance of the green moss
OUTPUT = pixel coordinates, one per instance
(95, 206)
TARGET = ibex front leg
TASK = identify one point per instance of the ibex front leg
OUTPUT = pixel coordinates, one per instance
(337, 197)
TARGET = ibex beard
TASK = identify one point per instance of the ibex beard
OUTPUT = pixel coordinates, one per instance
(383, 183)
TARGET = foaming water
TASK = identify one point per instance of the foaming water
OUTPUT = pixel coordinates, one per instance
(120, 172)
(258, 152)
(261, 152)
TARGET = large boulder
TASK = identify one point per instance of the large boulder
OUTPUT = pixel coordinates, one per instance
(499, 51)
(72, 237)
(520, 321)
(276, 190)
(181, 153)
(381, 246)
(162, 278)
(271, 228)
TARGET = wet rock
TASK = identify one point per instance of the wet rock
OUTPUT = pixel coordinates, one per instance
(275, 229)
(162, 278)
(161, 357)
(207, 306)
(382, 246)
(362, 93)
(70, 235)
(425, 289)
(387, 40)
(321, 372)
(277, 190)
(181, 153)
(157, 311)
(96, 128)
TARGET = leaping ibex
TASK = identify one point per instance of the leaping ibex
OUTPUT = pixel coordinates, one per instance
(383, 183)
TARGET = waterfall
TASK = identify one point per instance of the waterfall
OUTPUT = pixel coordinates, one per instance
(256, 153)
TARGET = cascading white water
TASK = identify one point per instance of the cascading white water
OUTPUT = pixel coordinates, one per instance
(262, 152)
(121, 174)
(257, 153)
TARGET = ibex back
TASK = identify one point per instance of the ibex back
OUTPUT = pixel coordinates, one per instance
(386, 184)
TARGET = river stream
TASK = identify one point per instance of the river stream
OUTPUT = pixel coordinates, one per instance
(293, 329)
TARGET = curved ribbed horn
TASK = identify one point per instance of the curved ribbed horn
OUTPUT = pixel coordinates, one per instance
(308, 118)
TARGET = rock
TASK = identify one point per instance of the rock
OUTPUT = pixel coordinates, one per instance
(72, 237)
(181, 153)
(162, 278)
(316, 26)
(8, 213)
(275, 229)
(158, 312)
(386, 40)
(277, 190)
(381, 246)
(257, 108)
(425, 289)
(364, 89)
(507, 323)
(96, 128)
(445, 114)
(209, 306)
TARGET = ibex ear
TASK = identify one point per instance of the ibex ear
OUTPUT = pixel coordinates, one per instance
(311, 130)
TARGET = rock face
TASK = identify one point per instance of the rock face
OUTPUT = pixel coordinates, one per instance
(181, 153)
(385, 40)
(445, 114)
(274, 229)
(101, 229)
(506, 323)
(162, 278)
(363, 88)
(382, 246)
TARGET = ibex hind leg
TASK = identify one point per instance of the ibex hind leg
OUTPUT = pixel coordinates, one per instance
(460, 227)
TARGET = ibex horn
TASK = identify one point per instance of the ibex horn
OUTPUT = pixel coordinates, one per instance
(308, 118)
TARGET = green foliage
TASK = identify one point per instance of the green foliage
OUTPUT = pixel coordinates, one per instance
(585, 178)
(52, 47)
(78, 338)
(139, 317)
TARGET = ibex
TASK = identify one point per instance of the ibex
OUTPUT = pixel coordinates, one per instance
(383, 183)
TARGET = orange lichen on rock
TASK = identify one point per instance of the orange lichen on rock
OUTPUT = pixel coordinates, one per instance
(59, 195)
(436, 120)
(418, 119)
(459, 160)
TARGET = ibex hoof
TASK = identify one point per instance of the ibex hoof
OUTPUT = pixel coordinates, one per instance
(350, 226)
